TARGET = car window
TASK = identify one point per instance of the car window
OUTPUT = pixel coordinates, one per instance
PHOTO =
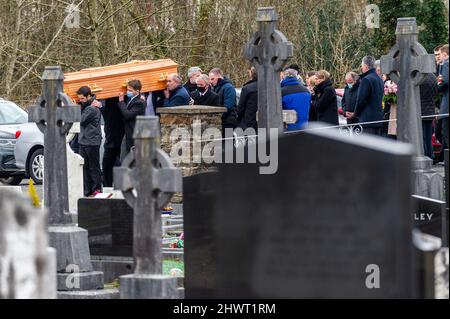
(10, 113)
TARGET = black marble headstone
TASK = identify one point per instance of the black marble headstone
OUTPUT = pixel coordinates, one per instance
(200, 260)
(431, 217)
(336, 208)
(109, 223)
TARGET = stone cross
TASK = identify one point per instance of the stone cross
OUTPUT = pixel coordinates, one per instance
(54, 116)
(269, 50)
(407, 64)
(148, 180)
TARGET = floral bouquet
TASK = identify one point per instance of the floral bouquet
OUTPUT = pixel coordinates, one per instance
(390, 92)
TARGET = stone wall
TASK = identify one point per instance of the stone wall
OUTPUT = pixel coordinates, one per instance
(183, 118)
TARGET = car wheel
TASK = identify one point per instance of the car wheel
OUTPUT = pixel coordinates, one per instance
(13, 180)
(36, 166)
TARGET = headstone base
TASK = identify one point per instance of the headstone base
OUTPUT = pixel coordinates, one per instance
(113, 267)
(422, 163)
(148, 287)
(181, 293)
(84, 281)
(429, 183)
(71, 244)
(51, 278)
(90, 294)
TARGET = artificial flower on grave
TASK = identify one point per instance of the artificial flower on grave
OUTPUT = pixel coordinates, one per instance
(179, 243)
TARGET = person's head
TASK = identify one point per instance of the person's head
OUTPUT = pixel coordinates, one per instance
(310, 76)
(437, 54)
(134, 88)
(173, 81)
(295, 67)
(203, 83)
(367, 63)
(252, 73)
(378, 67)
(444, 52)
(351, 78)
(193, 73)
(84, 94)
(214, 75)
(290, 73)
(321, 76)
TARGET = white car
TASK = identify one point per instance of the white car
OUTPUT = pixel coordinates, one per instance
(11, 119)
(29, 152)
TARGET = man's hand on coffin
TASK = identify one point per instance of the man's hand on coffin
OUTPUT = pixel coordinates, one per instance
(121, 97)
(96, 104)
(167, 93)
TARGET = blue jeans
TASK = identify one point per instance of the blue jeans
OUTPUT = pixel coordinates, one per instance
(427, 127)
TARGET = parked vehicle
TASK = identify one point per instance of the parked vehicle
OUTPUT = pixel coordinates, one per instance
(29, 152)
(12, 117)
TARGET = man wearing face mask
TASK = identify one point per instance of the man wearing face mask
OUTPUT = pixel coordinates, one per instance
(350, 95)
(133, 107)
(203, 94)
(191, 84)
(368, 106)
(90, 139)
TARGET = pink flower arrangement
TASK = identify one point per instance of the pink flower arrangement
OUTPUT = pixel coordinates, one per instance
(390, 88)
(390, 92)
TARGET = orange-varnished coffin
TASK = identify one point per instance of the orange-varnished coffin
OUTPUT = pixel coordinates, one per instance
(108, 81)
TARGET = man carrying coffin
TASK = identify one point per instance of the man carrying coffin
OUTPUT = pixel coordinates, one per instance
(90, 139)
(131, 107)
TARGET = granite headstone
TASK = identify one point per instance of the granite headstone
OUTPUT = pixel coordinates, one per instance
(199, 250)
(109, 223)
(431, 217)
(333, 222)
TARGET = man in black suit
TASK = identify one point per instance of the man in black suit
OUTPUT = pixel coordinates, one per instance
(114, 133)
(204, 95)
(134, 107)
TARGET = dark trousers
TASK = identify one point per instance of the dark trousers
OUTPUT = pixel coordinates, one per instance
(445, 137)
(111, 158)
(427, 127)
(92, 174)
(372, 130)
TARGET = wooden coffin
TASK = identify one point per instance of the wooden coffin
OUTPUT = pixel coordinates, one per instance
(108, 81)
